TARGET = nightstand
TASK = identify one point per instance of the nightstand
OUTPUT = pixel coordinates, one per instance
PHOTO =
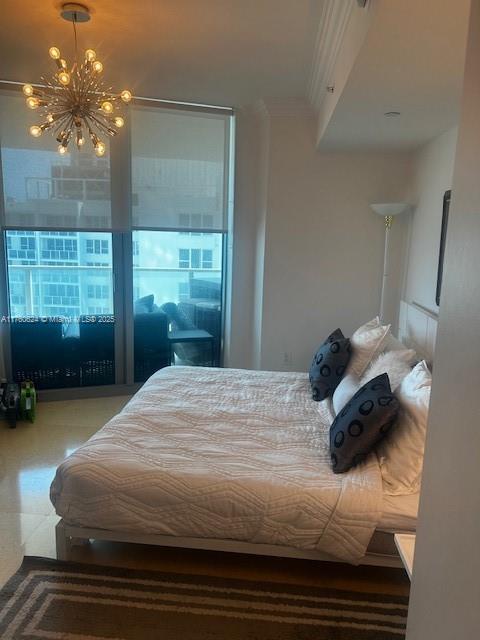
(405, 543)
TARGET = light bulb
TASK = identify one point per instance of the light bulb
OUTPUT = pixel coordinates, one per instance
(63, 63)
(81, 142)
(90, 55)
(119, 121)
(100, 148)
(97, 66)
(64, 77)
(50, 118)
(27, 90)
(62, 150)
(107, 106)
(32, 102)
(35, 131)
(54, 53)
(126, 96)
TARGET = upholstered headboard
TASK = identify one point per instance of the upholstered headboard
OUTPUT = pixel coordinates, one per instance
(418, 329)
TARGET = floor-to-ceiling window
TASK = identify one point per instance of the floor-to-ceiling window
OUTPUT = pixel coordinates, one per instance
(177, 281)
(68, 304)
(179, 217)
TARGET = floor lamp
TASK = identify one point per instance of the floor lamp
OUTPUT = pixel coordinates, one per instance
(387, 210)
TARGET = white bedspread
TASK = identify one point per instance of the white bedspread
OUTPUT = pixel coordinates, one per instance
(222, 453)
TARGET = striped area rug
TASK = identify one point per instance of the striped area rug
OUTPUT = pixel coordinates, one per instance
(59, 600)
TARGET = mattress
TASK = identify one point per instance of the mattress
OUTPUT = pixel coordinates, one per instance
(222, 453)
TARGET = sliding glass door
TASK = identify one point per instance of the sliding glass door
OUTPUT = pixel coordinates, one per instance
(114, 265)
(179, 216)
(177, 287)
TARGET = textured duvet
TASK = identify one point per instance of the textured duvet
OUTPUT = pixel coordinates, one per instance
(222, 453)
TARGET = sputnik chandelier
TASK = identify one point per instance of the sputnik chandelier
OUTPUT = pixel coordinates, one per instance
(74, 101)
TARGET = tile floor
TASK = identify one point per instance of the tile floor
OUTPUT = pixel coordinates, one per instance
(29, 456)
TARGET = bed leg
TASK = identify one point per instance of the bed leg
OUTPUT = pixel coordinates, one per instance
(62, 541)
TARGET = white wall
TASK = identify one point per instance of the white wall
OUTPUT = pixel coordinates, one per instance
(432, 176)
(318, 245)
(445, 595)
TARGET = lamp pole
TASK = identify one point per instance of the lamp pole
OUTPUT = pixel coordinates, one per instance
(388, 211)
(388, 226)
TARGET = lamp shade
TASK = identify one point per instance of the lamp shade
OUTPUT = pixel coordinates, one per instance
(390, 208)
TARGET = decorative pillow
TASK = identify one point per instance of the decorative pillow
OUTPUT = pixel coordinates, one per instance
(367, 342)
(362, 423)
(328, 365)
(347, 387)
(401, 454)
(397, 364)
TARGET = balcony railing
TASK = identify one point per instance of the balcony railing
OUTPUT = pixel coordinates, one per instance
(67, 188)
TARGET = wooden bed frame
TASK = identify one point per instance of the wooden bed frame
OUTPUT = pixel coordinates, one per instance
(68, 536)
(417, 329)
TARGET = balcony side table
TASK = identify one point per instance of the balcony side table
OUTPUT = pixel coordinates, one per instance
(192, 335)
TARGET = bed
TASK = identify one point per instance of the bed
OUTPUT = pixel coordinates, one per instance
(233, 460)
(226, 459)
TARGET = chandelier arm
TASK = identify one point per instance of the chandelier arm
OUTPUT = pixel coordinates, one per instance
(60, 124)
(88, 85)
(90, 124)
(96, 87)
(69, 129)
(98, 126)
(52, 85)
(49, 90)
(91, 133)
(102, 125)
(66, 122)
(70, 93)
(101, 117)
(62, 117)
(83, 76)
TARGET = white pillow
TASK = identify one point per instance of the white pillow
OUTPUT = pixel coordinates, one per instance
(400, 453)
(396, 363)
(347, 388)
(394, 344)
(367, 342)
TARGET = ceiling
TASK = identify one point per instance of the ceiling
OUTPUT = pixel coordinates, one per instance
(411, 61)
(223, 52)
(234, 52)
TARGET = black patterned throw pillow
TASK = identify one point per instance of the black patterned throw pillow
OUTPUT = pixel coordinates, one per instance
(328, 365)
(362, 423)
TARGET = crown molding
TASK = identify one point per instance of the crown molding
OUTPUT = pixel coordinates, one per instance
(332, 25)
